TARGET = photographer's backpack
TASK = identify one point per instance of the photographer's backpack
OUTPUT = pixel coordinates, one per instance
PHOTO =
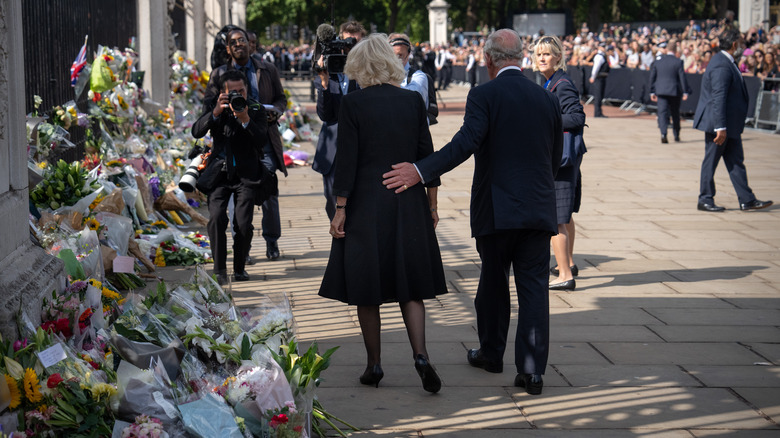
(433, 107)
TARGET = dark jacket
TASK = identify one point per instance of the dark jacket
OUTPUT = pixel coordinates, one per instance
(269, 88)
(328, 105)
(723, 102)
(241, 147)
(667, 77)
(517, 146)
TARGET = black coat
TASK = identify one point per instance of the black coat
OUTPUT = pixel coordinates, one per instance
(513, 128)
(667, 77)
(390, 251)
(328, 105)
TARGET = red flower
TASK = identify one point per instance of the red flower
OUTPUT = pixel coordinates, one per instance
(298, 429)
(278, 419)
(54, 380)
(85, 315)
(63, 326)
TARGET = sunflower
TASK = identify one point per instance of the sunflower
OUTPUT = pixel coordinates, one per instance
(32, 389)
(16, 395)
(93, 224)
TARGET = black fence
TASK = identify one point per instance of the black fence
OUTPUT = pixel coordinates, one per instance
(53, 32)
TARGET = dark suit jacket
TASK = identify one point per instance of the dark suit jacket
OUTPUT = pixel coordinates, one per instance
(328, 105)
(241, 147)
(513, 128)
(724, 99)
(667, 77)
(269, 87)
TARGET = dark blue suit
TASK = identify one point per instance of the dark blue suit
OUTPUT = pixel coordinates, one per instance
(328, 104)
(723, 104)
(513, 128)
(667, 82)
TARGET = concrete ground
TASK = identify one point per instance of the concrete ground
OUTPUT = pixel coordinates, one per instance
(673, 330)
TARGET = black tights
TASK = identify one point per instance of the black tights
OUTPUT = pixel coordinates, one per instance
(370, 324)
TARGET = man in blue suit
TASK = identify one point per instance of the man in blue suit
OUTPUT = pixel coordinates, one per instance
(667, 87)
(514, 130)
(330, 88)
(721, 113)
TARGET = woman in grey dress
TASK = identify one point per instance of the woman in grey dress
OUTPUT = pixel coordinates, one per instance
(384, 245)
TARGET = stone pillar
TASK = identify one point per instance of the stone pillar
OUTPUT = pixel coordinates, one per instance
(216, 17)
(238, 13)
(27, 273)
(437, 19)
(154, 32)
(752, 13)
(196, 31)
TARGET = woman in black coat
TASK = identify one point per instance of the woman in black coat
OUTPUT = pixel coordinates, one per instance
(550, 61)
(384, 245)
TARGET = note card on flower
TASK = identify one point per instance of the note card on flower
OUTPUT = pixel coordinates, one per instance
(52, 355)
(124, 264)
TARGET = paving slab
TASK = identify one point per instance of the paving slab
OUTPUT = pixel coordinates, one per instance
(717, 333)
(751, 376)
(677, 353)
(766, 400)
(626, 375)
(710, 316)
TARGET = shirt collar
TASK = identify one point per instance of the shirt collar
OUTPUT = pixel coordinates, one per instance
(249, 65)
(727, 55)
(509, 67)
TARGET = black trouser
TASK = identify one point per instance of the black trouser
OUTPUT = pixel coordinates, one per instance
(528, 253)
(669, 105)
(242, 224)
(597, 90)
(473, 76)
(734, 157)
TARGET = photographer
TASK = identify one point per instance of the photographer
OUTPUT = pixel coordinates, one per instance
(330, 88)
(266, 88)
(240, 131)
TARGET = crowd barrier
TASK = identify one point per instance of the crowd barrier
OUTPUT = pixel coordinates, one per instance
(630, 88)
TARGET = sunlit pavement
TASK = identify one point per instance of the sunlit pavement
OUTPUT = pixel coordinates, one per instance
(673, 330)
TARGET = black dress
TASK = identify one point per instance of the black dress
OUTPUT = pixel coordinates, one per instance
(389, 252)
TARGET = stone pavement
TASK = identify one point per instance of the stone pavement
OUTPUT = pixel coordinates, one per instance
(673, 331)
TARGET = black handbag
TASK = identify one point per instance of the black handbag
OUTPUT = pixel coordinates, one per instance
(212, 176)
(268, 185)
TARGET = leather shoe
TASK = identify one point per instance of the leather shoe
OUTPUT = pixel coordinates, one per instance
(677, 138)
(755, 205)
(476, 359)
(222, 278)
(241, 276)
(532, 383)
(575, 271)
(709, 207)
(271, 250)
(602, 116)
(664, 140)
(564, 285)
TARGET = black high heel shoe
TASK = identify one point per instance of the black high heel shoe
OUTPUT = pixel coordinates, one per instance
(430, 380)
(372, 375)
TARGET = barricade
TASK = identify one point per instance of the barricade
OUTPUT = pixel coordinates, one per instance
(768, 105)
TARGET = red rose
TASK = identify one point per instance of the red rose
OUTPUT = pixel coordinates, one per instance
(63, 326)
(54, 380)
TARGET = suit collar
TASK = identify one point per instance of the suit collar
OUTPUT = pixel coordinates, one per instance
(508, 69)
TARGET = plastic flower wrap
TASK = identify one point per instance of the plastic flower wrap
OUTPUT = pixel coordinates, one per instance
(63, 185)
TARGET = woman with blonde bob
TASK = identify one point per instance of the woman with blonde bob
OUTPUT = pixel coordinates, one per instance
(549, 60)
(384, 245)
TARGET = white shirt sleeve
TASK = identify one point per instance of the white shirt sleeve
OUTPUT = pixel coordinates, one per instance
(419, 83)
(597, 63)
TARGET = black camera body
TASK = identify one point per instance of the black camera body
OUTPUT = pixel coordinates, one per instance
(332, 49)
(237, 101)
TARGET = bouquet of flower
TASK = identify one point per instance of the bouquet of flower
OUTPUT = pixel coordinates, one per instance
(63, 185)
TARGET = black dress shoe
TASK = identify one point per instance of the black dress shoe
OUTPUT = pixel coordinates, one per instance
(476, 359)
(755, 205)
(564, 285)
(430, 380)
(664, 140)
(532, 383)
(271, 250)
(241, 276)
(222, 278)
(677, 138)
(709, 207)
(601, 116)
(372, 375)
(575, 271)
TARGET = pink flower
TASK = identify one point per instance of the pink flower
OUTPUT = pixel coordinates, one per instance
(18, 345)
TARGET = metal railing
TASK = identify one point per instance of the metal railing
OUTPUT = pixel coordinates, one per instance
(768, 105)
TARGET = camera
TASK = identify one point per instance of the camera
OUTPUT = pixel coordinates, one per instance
(191, 175)
(332, 48)
(237, 101)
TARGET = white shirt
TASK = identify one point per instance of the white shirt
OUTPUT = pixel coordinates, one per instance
(419, 83)
(598, 61)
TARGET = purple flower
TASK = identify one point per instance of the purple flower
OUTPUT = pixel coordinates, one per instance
(154, 183)
(193, 203)
(18, 345)
(76, 286)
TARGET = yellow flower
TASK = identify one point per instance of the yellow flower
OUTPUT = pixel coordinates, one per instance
(95, 283)
(32, 389)
(93, 224)
(159, 259)
(111, 295)
(102, 389)
(43, 164)
(16, 395)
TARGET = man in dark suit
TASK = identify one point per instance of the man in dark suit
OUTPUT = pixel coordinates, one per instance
(721, 113)
(330, 88)
(513, 212)
(667, 87)
(239, 137)
(266, 88)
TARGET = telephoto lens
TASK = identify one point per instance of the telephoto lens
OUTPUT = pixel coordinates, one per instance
(190, 177)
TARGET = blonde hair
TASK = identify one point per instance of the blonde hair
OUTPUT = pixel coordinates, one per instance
(372, 62)
(553, 44)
